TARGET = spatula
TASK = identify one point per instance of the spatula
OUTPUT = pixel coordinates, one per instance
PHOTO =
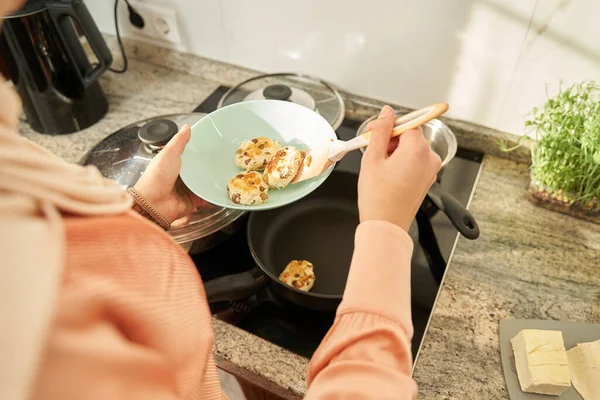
(322, 156)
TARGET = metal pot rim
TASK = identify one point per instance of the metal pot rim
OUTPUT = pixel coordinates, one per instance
(201, 223)
(434, 124)
(204, 228)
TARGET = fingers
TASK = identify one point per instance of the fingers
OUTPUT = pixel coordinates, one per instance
(177, 144)
(413, 144)
(413, 141)
(393, 143)
(381, 133)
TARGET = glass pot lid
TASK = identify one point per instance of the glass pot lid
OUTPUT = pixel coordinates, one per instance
(125, 154)
(301, 89)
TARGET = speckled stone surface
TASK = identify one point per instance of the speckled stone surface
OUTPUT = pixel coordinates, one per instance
(528, 263)
(281, 372)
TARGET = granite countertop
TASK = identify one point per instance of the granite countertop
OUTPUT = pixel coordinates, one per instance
(528, 263)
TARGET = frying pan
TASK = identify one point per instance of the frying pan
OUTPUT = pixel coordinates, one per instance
(319, 228)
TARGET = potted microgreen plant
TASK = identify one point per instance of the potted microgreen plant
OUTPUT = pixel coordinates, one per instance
(565, 170)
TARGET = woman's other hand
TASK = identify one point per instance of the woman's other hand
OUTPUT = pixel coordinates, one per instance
(391, 187)
(160, 184)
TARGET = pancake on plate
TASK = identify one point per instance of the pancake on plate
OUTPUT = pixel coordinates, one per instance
(255, 154)
(283, 167)
(248, 188)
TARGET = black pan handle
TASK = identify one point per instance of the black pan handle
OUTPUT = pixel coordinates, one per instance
(430, 246)
(460, 217)
(235, 287)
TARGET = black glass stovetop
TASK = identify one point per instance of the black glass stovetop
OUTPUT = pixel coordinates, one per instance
(299, 330)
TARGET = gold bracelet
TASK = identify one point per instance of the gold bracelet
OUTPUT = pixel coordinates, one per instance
(146, 210)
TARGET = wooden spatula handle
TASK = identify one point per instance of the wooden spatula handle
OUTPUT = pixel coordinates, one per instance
(415, 119)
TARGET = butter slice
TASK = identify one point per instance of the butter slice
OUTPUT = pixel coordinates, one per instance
(541, 360)
(584, 363)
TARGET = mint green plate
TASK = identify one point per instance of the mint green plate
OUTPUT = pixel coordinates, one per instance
(208, 161)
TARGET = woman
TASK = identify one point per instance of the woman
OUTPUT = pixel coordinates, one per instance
(100, 303)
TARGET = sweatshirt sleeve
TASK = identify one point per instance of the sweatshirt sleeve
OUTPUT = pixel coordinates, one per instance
(367, 352)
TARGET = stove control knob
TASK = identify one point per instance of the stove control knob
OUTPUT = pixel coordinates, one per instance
(277, 92)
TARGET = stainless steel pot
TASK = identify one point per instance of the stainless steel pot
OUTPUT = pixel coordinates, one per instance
(198, 240)
(124, 156)
(440, 137)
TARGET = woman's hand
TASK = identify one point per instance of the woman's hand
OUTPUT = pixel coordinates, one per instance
(160, 184)
(391, 187)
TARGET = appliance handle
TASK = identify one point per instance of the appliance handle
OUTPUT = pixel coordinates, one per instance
(75, 9)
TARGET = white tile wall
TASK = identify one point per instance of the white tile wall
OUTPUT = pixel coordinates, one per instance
(562, 44)
(490, 59)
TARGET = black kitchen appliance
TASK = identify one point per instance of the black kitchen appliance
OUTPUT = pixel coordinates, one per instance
(58, 84)
(300, 330)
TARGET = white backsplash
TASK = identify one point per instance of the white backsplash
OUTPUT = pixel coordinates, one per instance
(489, 59)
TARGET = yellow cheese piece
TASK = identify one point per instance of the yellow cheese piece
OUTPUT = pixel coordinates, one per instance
(584, 363)
(541, 361)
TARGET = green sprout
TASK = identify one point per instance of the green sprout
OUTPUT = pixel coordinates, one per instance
(566, 155)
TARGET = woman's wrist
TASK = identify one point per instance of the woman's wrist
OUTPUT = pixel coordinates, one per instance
(145, 209)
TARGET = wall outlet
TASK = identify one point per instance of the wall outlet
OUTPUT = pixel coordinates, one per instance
(159, 23)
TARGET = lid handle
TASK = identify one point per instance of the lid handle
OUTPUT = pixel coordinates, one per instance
(158, 132)
(277, 92)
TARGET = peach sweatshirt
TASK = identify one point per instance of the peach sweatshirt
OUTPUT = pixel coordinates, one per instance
(98, 303)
